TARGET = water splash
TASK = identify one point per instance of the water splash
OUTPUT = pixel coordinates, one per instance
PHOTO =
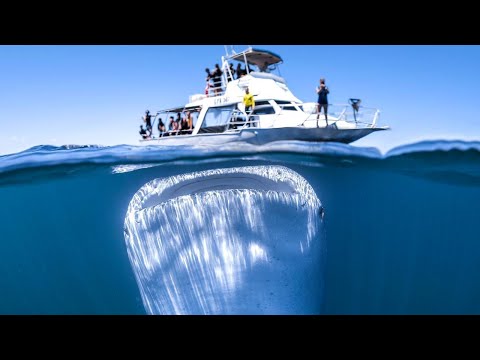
(227, 241)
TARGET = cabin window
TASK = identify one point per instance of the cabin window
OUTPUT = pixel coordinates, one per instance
(286, 105)
(264, 110)
(216, 119)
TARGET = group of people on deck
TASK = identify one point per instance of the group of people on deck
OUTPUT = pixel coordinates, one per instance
(176, 126)
(183, 126)
(214, 78)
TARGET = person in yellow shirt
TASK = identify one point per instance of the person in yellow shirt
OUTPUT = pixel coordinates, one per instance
(248, 101)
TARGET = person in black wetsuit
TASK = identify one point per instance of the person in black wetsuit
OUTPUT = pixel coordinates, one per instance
(209, 74)
(231, 73)
(148, 121)
(240, 72)
(322, 102)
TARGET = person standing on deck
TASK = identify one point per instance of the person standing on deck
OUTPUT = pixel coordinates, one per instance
(207, 79)
(249, 103)
(209, 75)
(322, 102)
(148, 121)
(230, 73)
(240, 72)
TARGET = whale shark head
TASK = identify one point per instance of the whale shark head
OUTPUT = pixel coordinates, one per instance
(243, 240)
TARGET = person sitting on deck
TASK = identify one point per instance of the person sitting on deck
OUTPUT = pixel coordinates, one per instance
(178, 120)
(264, 68)
(190, 120)
(161, 127)
(173, 126)
(143, 133)
(187, 124)
(184, 128)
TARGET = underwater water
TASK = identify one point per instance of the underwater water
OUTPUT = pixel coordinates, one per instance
(283, 228)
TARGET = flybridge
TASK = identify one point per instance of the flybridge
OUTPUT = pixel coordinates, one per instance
(256, 57)
(266, 61)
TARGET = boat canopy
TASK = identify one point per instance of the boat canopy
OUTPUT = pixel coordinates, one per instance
(180, 109)
(257, 57)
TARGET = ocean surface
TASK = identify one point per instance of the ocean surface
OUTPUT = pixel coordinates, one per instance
(283, 228)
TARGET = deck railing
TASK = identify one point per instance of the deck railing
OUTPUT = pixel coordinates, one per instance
(363, 118)
(307, 117)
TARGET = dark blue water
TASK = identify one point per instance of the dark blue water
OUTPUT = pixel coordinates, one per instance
(399, 233)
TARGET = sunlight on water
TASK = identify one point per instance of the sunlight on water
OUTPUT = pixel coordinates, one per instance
(121, 169)
(227, 241)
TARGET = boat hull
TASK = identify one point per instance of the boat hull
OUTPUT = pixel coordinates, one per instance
(259, 136)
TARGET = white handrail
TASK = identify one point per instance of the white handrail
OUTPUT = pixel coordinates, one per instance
(375, 118)
(365, 116)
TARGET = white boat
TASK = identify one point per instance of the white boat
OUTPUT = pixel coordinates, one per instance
(219, 115)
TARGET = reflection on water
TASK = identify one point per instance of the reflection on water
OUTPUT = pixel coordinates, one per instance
(227, 241)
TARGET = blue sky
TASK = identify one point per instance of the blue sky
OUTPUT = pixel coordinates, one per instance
(97, 94)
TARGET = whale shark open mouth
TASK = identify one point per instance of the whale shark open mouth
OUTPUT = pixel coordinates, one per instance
(243, 240)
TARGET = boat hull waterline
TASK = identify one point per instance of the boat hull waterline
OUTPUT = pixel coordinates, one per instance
(258, 136)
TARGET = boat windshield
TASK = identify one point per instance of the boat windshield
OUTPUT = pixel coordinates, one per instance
(217, 119)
